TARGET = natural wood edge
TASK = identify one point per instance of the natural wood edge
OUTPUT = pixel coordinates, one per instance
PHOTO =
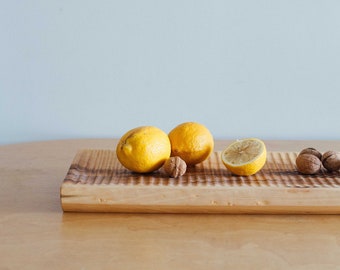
(171, 209)
(201, 200)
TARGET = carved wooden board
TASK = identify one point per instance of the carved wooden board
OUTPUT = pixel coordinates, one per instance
(97, 182)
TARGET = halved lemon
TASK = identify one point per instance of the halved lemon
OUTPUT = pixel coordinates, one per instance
(245, 157)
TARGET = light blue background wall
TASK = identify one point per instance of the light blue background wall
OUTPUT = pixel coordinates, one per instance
(95, 69)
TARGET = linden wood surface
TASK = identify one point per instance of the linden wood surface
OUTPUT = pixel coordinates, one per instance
(36, 234)
(97, 182)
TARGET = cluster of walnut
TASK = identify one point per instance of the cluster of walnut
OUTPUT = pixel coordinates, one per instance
(311, 161)
(174, 167)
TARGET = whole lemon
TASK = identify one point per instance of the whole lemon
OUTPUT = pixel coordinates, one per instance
(143, 149)
(192, 142)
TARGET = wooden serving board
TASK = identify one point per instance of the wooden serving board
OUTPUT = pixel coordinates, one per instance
(97, 182)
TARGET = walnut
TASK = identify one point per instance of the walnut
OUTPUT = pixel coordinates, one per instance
(308, 164)
(175, 167)
(331, 160)
(311, 150)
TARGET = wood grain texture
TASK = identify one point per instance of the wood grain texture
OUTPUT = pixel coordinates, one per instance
(96, 182)
(36, 234)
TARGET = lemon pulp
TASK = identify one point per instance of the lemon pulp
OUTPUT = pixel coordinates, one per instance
(245, 157)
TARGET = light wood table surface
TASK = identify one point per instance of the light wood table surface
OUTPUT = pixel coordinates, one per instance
(36, 234)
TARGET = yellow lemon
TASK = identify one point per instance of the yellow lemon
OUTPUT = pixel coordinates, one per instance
(192, 142)
(143, 149)
(245, 157)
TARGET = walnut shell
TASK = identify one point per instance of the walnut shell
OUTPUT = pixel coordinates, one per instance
(331, 160)
(308, 164)
(175, 167)
(311, 150)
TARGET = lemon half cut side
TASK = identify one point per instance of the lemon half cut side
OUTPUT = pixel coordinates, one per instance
(245, 157)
